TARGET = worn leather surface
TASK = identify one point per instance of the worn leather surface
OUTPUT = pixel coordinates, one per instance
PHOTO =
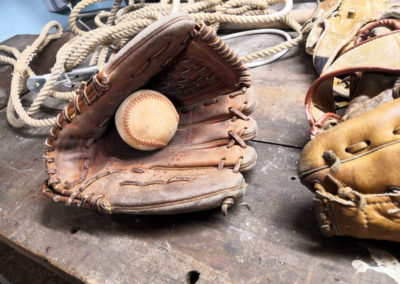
(352, 164)
(363, 57)
(89, 165)
(335, 24)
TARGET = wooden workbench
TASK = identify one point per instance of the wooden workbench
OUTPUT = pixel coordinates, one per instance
(272, 236)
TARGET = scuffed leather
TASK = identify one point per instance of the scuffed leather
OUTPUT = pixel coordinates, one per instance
(363, 170)
(363, 57)
(336, 22)
(89, 165)
(352, 163)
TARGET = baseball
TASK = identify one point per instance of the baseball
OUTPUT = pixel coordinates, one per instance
(146, 120)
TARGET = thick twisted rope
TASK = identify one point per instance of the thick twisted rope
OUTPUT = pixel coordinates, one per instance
(21, 72)
(115, 28)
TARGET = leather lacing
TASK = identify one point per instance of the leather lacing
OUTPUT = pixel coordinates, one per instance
(100, 83)
(326, 224)
(367, 31)
(222, 49)
(95, 202)
(347, 197)
(236, 114)
(228, 202)
(346, 193)
(236, 138)
(333, 162)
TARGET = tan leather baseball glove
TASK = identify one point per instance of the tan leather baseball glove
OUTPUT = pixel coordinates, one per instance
(89, 165)
(335, 24)
(352, 163)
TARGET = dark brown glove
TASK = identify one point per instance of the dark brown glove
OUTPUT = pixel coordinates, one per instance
(89, 165)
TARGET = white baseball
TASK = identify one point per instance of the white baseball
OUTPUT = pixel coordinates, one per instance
(146, 120)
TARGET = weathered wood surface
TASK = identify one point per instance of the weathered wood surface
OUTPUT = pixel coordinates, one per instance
(281, 88)
(273, 239)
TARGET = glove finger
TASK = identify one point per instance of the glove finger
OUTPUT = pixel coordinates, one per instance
(117, 152)
(223, 107)
(359, 155)
(149, 191)
(214, 134)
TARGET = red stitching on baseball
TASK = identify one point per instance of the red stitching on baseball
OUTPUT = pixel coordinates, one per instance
(132, 104)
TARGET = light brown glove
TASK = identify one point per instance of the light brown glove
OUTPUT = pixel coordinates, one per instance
(89, 165)
(352, 163)
(335, 23)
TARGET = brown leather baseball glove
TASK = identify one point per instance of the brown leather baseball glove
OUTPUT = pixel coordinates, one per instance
(89, 165)
(352, 164)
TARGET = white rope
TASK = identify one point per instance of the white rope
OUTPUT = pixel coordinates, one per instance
(274, 57)
(175, 6)
(116, 27)
(19, 80)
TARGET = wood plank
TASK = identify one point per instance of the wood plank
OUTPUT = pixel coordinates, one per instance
(281, 88)
(274, 239)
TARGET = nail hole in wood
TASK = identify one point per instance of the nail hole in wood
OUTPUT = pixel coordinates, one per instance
(74, 229)
(193, 276)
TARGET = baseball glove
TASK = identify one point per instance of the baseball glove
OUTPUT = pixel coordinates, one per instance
(352, 164)
(335, 23)
(89, 165)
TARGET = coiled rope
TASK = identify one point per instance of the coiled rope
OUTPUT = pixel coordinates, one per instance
(115, 28)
